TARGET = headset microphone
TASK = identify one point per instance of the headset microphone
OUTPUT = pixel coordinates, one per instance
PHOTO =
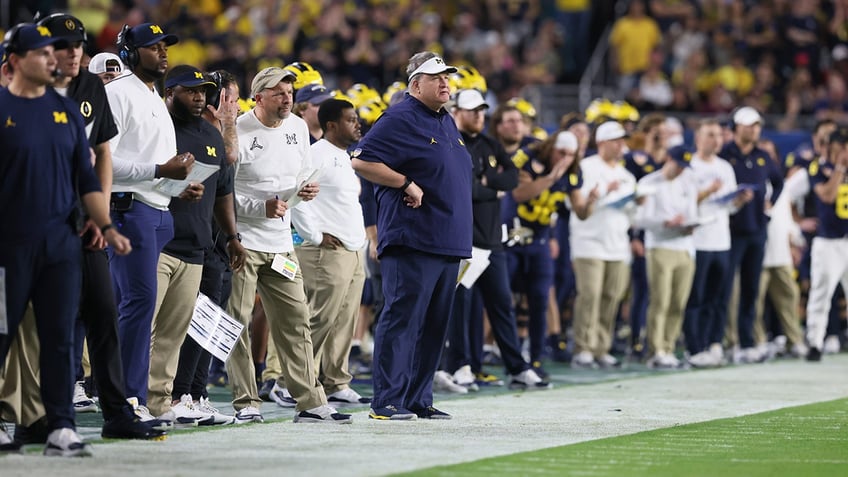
(57, 73)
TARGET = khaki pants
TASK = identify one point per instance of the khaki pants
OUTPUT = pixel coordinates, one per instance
(288, 319)
(176, 293)
(333, 280)
(600, 287)
(670, 274)
(778, 283)
(20, 385)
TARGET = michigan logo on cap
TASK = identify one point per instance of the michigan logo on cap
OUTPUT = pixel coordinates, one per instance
(70, 25)
(43, 31)
(156, 29)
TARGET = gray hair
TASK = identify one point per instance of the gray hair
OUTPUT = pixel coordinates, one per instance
(417, 60)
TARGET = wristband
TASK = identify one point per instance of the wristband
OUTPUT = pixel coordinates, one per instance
(406, 184)
(236, 236)
(106, 228)
(156, 171)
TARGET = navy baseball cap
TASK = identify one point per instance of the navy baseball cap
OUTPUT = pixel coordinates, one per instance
(313, 93)
(682, 155)
(149, 34)
(186, 76)
(2, 54)
(27, 36)
(65, 26)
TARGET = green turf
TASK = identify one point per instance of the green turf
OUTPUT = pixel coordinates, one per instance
(806, 441)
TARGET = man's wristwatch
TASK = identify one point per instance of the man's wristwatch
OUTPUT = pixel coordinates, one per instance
(106, 228)
(236, 236)
(406, 184)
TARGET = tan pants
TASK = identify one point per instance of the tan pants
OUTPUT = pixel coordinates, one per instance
(778, 283)
(20, 378)
(333, 280)
(600, 287)
(670, 274)
(288, 314)
(176, 293)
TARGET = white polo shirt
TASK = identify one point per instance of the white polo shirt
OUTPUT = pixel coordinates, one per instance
(336, 209)
(782, 228)
(271, 161)
(714, 236)
(669, 199)
(145, 138)
(603, 235)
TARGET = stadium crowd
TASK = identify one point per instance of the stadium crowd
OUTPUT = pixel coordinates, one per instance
(605, 238)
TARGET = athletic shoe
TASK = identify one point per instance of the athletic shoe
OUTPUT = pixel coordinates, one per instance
(265, 390)
(282, 397)
(218, 418)
(248, 415)
(814, 354)
(583, 360)
(798, 350)
(749, 356)
(831, 345)
(540, 371)
(392, 413)
(662, 360)
(464, 377)
(184, 415)
(443, 382)
(528, 380)
(83, 403)
(144, 414)
(349, 396)
(486, 379)
(129, 427)
(7, 444)
(431, 412)
(608, 361)
(66, 443)
(324, 413)
(35, 433)
(704, 359)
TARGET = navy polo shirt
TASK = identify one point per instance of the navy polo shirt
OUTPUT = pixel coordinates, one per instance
(833, 217)
(640, 163)
(425, 146)
(537, 213)
(753, 168)
(45, 153)
(192, 231)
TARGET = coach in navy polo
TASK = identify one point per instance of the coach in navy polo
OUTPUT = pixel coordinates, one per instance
(417, 158)
(748, 226)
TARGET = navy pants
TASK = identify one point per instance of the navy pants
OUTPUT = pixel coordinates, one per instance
(532, 271)
(134, 277)
(706, 311)
(418, 289)
(639, 302)
(466, 328)
(564, 281)
(47, 272)
(193, 366)
(746, 255)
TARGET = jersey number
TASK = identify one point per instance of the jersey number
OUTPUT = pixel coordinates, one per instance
(842, 201)
(540, 209)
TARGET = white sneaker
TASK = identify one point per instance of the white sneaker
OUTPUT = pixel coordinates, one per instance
(443, 382)
(584, 360)
(831, 345)
(528, 380)
(247, 415)
(704, 359)
(282, 397)
(218, 418)
(464, 377)
(750, 355)
(183, 414)
(608, 361)
(324, 413)
(83, 403)
(798, 350)
(348, 396)
(66, 443)
(663, 360)
(144, 414)
(718, 352)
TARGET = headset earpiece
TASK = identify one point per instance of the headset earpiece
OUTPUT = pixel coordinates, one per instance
(213, 95)
(10, 40)
(127, 52)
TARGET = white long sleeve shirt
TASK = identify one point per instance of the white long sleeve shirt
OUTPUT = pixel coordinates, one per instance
(782, 228)
(272, 161)
(669, 199)
(714, 236)
(603, 235)
(336, 209)
(145, 138)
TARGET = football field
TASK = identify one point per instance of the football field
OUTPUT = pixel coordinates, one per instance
(782, 418)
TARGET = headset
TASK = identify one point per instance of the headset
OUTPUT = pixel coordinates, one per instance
(213, 95)
(127, 51)
(10, 40)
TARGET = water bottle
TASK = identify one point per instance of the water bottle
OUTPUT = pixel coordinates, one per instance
(297, 240)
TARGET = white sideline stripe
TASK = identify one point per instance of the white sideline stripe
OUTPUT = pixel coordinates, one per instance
(483, 427)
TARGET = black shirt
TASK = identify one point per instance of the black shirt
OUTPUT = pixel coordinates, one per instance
(193, 220)
(87, 90)
(491, 161)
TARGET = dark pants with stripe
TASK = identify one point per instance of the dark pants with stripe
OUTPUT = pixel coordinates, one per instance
(47, 272)
(531, 270)
(706, 311)
(746, 255)
(419, 290)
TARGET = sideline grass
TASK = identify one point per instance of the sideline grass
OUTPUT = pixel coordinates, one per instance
(808, 440)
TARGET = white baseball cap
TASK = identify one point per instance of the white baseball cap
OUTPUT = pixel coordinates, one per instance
(747, 116)
(609, 131)
(470, 99)
(566, 140)
(105, 62)
(434, 66)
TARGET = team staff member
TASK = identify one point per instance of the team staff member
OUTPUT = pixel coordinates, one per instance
(45, 168)
(145, 140)
(418, 160)
(748, 226)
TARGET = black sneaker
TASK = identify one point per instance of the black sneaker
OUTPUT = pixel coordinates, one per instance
(35, 433)
(814, 354)
(431, 412)
(7, 444)
(323, 413)
(392, 413)
(265, 390)
(130, 427)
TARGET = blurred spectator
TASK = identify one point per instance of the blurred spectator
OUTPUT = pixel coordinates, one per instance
(671, 13)
(653, 90)
(802, 32)
(632, 39)
(834, 105)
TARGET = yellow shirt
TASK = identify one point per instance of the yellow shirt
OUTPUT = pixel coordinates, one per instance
(633, 40)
